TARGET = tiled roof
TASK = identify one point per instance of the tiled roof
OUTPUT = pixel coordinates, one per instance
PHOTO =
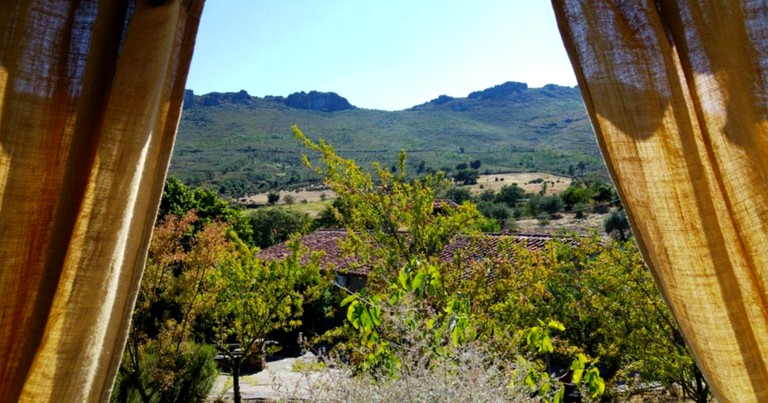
(328, 241)
(321, 240)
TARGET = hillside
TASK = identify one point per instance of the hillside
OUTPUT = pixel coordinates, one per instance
(236, 143)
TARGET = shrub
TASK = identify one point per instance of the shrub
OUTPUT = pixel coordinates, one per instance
(196, 374)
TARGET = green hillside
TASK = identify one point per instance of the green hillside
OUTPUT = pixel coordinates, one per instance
(239, 144)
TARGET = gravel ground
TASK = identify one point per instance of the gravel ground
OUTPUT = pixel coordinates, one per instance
(277, 381)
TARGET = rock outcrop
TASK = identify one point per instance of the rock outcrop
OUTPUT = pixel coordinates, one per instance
(318, 101)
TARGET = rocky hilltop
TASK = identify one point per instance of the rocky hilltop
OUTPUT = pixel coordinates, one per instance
(313, 101)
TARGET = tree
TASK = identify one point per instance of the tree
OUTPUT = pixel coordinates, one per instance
(510, 194)
(462, 166)
(605, 298)
(420, 307)
(475, 164)
(457, 194)
(497, 211)
(255, 298)
(551, 204)
(466, 176)
(601, 192)
(392, 217)
(273, 198)
(179, 199)
(422, 167)
(617, 225)
(575, 194)
(582, 166)
(275, 225)
(160, 354)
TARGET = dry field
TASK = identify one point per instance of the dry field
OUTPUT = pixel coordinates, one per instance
(555, 183)
(298, 195)
(567, 224)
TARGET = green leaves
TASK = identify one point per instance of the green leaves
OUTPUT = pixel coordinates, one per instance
(539, 338)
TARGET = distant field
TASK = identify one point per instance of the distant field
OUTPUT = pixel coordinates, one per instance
(531, 182)
(298, 196)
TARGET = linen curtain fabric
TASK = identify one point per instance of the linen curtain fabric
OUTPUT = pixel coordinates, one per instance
(90, 96)
(677, 94)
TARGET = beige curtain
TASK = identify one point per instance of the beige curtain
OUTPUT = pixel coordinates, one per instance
(678, 93)
(90, 96)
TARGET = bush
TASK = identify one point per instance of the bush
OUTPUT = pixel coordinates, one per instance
(194, 378)
(581, 210)
(552, 204)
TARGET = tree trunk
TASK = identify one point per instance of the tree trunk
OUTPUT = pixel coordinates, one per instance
(236, 378)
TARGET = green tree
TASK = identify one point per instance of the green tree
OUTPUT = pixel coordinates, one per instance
(457, 194)
(492, 291)
(499, 212)
(273, 198)
(466, 176)
(256, 298)
(603, 295)
(476, 164)
(179, 199)
(275, 225)
(161, 353)
(617, 225)
(551, 204)
(574, 195)
(390, 220)
(510, 194)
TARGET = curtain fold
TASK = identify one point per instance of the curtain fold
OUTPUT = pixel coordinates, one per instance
(677, 93)
(90, 97)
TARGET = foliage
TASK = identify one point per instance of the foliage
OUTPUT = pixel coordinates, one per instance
(499, 212)
(390, 220)
(600, 292)
(202, 283)
(583, 373)
(192, 384)
(551, 204)
(160, 352)
(255, 298)
(603, 295)
(574, 195)
(275, 225)
(179, 199)
(510, 194)
(457, 194)
(466, 176)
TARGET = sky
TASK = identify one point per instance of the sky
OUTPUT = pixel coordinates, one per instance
(379, 54)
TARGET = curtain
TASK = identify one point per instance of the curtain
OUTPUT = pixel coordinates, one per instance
(677, 93)
(90, 97)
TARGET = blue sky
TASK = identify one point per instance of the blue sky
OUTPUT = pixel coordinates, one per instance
(379, 54)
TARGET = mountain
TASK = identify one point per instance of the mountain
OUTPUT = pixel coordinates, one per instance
(237, 143)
